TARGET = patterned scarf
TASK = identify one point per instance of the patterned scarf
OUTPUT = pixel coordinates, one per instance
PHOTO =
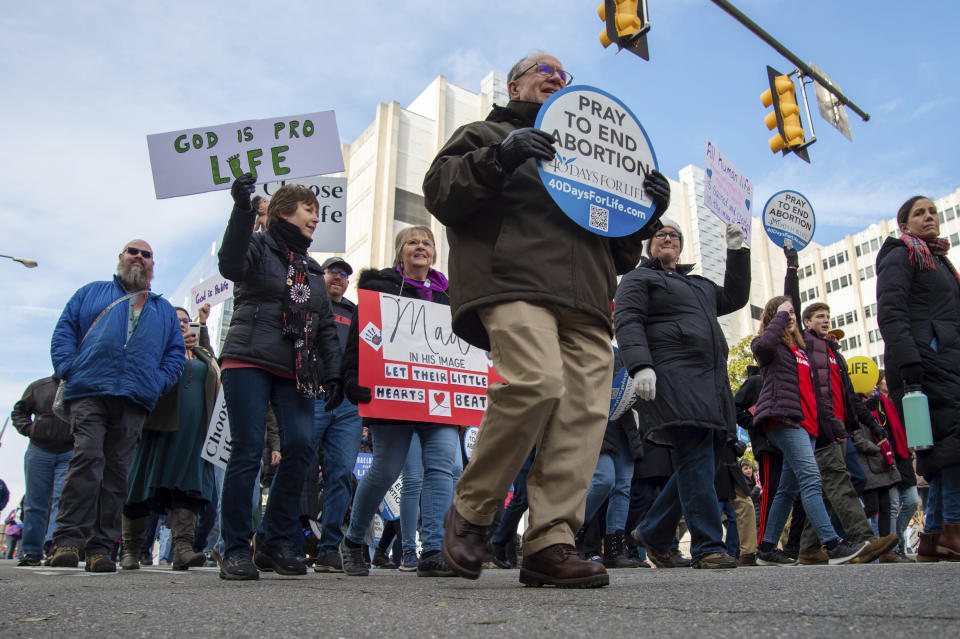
(297, 316)
(921, 252)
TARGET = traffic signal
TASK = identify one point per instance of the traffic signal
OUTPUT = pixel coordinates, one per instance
(785, 116)
(626, 24)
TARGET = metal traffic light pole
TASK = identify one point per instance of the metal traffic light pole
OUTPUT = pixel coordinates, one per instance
(803, 68)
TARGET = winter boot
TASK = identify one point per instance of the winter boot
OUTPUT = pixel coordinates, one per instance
(948, 546)
(133, 532)
(927, 550)
(183, 521)
(614, 551)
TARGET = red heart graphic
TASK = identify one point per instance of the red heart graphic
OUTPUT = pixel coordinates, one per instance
(438, 397)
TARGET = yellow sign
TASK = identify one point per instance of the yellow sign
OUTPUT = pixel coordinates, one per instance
(863, 373)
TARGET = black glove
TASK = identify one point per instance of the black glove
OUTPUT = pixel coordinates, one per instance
(523, 144)
(658, 188)
(333, 392)
(358, 394)
(912, 374)
(241, 190)
(791, 254)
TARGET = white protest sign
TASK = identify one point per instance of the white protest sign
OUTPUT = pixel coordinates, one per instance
(726, 191)
(603, 155)
(213, 290)
(209, 158)
(331, 234)
(390, 504)
(788, 215)
(216, 445)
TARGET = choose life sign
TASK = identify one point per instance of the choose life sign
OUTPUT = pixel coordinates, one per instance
(788, 215)
(603, 154)
(210, 158)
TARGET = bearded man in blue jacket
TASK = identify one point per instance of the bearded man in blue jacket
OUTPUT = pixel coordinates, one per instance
(114, 375)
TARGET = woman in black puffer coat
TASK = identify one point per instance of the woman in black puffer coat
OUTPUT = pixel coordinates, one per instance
(918, 312)
(672, 345)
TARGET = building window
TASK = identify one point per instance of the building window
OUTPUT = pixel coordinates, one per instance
(943, 218)
(803, 296)
(858, 250)
(809, 270)
(954, 239)
(862, 274)
(951, 213)
(756, 312)
(824, 265)
(874, 244)
(869, 272)
(408, 207)
(832, 260)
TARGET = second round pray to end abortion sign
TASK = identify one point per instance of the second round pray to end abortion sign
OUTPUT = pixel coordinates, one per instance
(603, 155)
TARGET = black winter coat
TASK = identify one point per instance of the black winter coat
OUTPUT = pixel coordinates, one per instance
(256, 263)
(918, 312)
(509, 240)
(33, 417)
(385, 281)
(668, 320)
(626, 424)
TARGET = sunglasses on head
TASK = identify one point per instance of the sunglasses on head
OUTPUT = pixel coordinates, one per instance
(132, 250)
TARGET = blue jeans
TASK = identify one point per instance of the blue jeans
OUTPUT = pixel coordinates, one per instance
(507, 529)
(248, 391)
(943, 502)
(612, 479)
(858, 476)
(391, 442)
(689, 492)
(338, 433)
(801, 475)
(733, 535)
(410, 495)
(44, 473)
(903, 505)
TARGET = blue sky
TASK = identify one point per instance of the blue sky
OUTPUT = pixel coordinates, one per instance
(84, 83)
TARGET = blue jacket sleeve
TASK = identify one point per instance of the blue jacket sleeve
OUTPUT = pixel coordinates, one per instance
(66, 336)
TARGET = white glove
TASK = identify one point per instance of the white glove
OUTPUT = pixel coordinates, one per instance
(645, 383)
(735, 237)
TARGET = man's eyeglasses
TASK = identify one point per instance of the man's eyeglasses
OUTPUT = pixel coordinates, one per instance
(133, 250)
(547, 70)
(336, 271)
(663, 236)
(424, 243)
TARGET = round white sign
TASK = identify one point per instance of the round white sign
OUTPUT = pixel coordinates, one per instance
(603, 154)
(788, 216)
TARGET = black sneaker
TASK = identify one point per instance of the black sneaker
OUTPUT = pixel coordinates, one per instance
(30, 560)
(238, 568)
(845, 551)
(432, 565)
(279, 558)
(351, 559)
(775, 557)
(329, 562)
(380, 560)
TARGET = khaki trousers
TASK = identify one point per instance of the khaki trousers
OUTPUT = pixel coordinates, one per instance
(558, 367)
(746, 521)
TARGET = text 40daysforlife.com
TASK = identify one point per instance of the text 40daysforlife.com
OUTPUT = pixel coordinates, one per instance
(601, 199)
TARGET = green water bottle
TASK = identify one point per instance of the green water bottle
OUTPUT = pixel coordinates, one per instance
(916, 417)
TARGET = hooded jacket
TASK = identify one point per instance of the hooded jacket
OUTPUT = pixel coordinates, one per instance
(140, 368)
(918, 312)
(667, 319)
(508, 240)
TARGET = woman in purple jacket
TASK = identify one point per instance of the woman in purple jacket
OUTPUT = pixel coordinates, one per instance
(787, 413)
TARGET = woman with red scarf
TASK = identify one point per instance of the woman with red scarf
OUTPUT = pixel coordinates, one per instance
(904, 498)
(918, 313)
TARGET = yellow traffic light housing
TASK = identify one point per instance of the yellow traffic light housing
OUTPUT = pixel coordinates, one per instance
(785, 116)
(626, 24)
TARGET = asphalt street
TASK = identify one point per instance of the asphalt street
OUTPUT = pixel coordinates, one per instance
(875, 601)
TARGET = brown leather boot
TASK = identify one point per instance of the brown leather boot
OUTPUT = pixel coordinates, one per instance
(559, 565)
(748, 559)
(948, 546)
(927, 550)
(133, 532)
(463, 544)
(182, 524)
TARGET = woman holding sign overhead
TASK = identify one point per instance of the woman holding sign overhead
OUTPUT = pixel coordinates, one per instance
(167, 473)
(412, 275)
(281, 350)
(672, 345)
(918, 312)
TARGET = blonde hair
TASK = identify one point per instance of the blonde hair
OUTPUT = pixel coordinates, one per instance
(405, 234)
(789, 337)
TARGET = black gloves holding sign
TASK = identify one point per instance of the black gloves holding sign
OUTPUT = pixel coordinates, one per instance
(658, 188)
(522, 144)
(242, 188)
